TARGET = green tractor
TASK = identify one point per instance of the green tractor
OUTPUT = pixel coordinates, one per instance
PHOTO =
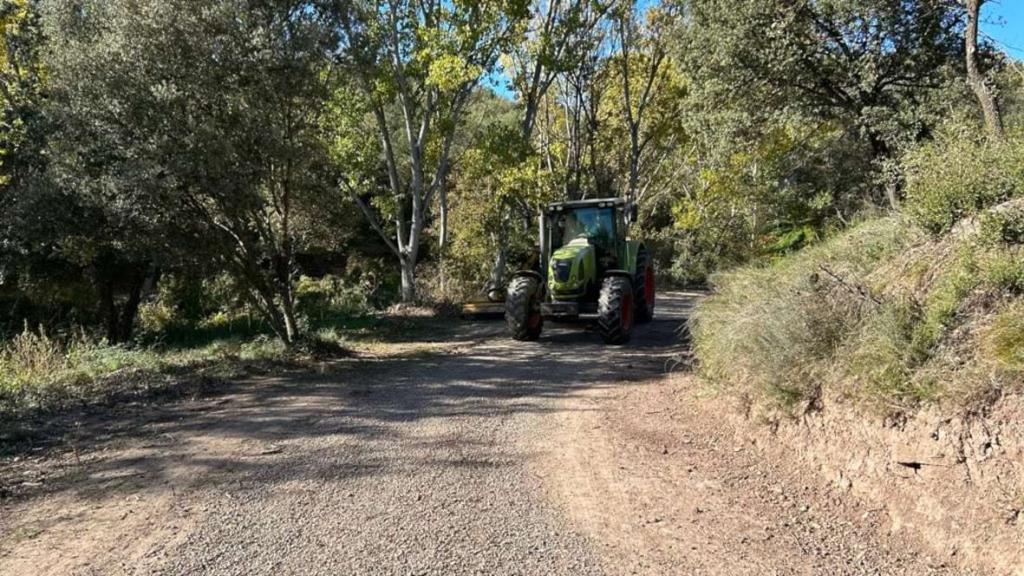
(587, 266)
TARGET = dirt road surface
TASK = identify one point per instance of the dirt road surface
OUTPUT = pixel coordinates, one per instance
(557, 457)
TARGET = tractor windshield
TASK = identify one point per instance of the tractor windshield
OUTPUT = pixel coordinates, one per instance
(594, 224)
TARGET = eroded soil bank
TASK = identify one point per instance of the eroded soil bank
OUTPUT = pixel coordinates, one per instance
(956, 482)
(674, 480)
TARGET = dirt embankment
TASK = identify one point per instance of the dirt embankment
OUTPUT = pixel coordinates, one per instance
(958, 483)
(673, 480)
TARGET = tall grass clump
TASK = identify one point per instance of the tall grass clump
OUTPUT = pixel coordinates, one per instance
(771, 331)
(37, 369)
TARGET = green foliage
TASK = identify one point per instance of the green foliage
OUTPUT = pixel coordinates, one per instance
(207, 149)
(42, 372)
(780, 194)
(882, 314)
(961, 174)
(499, 184)
(1003, 339)
(320, 299)
(23, 77)
(799, 113)
(877, 361)
(861, 63)
(772, 331)
(1003, 226)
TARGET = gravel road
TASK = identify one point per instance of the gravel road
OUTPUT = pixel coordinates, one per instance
(477, 461)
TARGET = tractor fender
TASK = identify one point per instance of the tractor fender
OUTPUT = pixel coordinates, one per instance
(622, 273)
(530, 273)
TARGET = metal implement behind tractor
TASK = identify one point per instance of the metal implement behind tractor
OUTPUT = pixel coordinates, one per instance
(587, 265)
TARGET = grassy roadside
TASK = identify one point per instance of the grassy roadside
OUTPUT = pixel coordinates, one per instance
(925, 306)
(883, 315)
(44, 375)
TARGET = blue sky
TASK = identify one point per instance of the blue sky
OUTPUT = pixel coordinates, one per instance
(1003, 21)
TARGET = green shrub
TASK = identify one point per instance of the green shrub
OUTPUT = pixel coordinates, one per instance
(945, 296)
(772, 331)
(961, 174)
(880, 314)
(37, 369)
(320, 299)
(30, 356)
(1004, 226)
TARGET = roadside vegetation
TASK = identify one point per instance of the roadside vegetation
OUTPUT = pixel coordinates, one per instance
(919, 307)
(187, 185)
(42, 372)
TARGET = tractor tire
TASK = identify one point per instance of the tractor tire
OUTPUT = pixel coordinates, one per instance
(615, 309)
(522, 309)
(644, 293)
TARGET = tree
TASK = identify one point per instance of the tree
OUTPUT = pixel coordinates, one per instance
(982, 90)
(200, 131)
(866, 64)
(421, 59)
(560, 39)
(642, 67)
(21, 92)
(495, 178)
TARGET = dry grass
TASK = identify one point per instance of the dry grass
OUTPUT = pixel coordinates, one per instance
(883, 315)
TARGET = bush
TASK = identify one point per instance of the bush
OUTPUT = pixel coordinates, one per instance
(961, 174)
(37, 369)
(770, 332)
(882, 315)
(331, 296)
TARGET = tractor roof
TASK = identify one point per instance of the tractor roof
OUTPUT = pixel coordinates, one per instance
(596, 203)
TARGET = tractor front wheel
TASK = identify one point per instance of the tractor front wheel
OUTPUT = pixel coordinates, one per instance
(615, 310)
(522, 309)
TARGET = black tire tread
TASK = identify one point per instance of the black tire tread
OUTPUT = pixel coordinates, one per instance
(521, 300)
(609, 310)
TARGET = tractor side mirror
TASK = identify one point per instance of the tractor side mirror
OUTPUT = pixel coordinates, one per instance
(633, 213)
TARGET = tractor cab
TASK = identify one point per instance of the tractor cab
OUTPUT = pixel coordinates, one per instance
(600, 224)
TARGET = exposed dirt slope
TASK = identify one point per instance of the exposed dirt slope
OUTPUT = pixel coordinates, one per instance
(670, 485)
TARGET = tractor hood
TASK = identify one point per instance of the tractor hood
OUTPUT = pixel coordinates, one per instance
(572, 267)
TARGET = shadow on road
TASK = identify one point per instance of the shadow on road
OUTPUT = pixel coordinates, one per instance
(345, 423)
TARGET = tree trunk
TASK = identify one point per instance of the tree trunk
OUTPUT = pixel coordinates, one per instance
(108, 309)
(129, 312)
(880, 152)
(499, 268)
(989, 105)
(408, 266)
(291, 326)
(442, 200)
(130, 309)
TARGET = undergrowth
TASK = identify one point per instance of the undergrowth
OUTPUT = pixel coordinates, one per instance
(884, 315)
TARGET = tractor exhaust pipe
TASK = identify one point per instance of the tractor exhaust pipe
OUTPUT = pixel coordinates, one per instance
(543, 245)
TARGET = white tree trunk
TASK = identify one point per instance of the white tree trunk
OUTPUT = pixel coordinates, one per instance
(408, 280)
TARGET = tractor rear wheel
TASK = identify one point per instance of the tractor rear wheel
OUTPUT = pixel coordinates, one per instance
(522, 309)
(644, 292)
(615, 310)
